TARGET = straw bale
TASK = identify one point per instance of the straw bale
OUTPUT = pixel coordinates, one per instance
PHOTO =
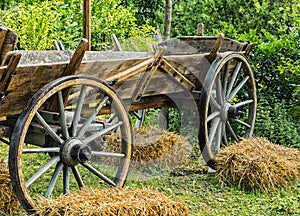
(113, 201)
(8, 200)
(154, 147)
(258, 164)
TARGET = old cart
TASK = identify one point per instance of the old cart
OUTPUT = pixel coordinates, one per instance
(58, 107)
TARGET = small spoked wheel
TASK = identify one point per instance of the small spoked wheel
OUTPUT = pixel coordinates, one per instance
(227, 104)
(59, 143)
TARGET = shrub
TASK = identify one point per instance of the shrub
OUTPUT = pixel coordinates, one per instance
(275, 123)
(38, 23)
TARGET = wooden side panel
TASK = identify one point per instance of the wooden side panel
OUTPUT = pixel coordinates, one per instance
(27, 79)
(25, 82)
(197, 45)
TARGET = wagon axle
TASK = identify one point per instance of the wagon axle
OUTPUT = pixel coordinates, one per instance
(74, 151)
(235, 112)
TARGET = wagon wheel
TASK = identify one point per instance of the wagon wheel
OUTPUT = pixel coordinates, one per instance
(63, 151)
(227, 105)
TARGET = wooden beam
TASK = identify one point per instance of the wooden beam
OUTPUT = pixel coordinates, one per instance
(76, 58)
(86, 21)
(116, 42)
(217, 46)
(200, 28)
(6, 76)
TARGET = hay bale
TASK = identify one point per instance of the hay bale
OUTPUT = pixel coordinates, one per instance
(8, 200)
(258, 164)
(154, 147)
(113, 201)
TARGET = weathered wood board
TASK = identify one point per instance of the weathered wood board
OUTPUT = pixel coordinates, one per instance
(28, 78)
(188, 45)
(189, 58)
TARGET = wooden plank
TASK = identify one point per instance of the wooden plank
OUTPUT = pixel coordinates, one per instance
(86, 21)
(3, 32)
(7, 74)
(215, 49)
(9, 43)
(200, 28)
(145, 78)
(116, 42)
(76, 58)
(189, 45)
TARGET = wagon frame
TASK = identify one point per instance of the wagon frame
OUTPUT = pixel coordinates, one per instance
(63, 93)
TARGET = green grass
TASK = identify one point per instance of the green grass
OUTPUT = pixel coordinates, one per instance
(206, 195)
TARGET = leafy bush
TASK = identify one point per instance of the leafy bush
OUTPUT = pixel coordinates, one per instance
(35, 24)
(109, 17)
(38, 23)
(275, 16)
(277, 68)
(274, 123)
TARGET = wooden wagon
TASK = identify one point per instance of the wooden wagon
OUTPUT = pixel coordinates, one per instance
(60, 106)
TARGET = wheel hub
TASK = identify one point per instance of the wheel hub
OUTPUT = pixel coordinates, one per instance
(74, 151)
(224, 111)
(230, 112)
(234, 112)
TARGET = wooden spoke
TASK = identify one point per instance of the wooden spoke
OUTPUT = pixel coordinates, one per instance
(232, 131)
(238, 88)
(242, 123)
(53, 180)
(108, 154)
(233, 79)
(77, 176)
(213, 115)
(87, 123)
(246, 102)
(66, 180)
(41, 150)
(219, 91)
(62, 117)
(226, 77)
(213, 130)
(215, 104)
(38, 174)
(78, 109)
(99, 174)
(49, 129)
(102, 132)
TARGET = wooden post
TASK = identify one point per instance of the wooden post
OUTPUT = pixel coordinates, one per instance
(200, 28)
(86, 21)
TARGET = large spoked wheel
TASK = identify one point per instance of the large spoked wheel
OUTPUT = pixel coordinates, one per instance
(58, 144)
(227, 104)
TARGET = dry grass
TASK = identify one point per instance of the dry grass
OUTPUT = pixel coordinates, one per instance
(112, 201)
(8, 200)
(258, 164)
(154, 147)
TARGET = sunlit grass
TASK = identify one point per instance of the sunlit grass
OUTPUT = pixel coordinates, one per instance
(204, 194)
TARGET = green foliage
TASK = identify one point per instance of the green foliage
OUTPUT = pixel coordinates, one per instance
(276, 64)
(38, 23)
(275, 16)
(138, 44)
(146, 10)
(35, 24)
(109, 17)
(275, 123)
